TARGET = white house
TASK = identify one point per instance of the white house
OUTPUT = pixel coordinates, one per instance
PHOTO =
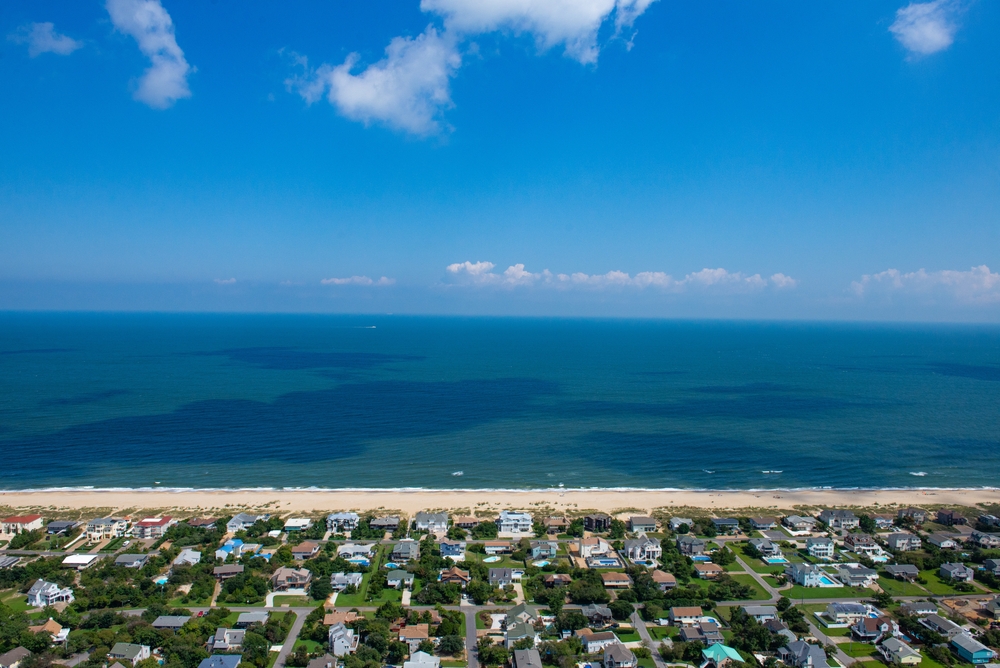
(342, 640)
(131, 652)
(243, 521)
(594, 547)
(153, 527)
(104, 528)
(821, 547)
(44, 593)
(431, 522)
(642, 549)
(20, 523)
(512, 522)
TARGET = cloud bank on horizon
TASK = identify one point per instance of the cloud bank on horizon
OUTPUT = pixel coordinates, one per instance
(978, 285)
(481, 274)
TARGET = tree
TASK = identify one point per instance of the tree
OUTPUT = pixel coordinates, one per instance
(575, 528)
(452, 645)
(524, 643)
(867, 523)
(617, 529)
(724, 556)
(255, 649)
(683, 528)
(621, 610)
(783, 604)
(479, 591)
(426, 646)
(490, 654)
(320, 589)
(571, 620)
(882, 599)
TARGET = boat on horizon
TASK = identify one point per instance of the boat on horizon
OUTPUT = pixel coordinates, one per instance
(772, 471)
(458, 473)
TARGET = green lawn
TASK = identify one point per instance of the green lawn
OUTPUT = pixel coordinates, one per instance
(837, 632)
(647, 663)
(179, 603)
(759, 594)
(627, 635)
(16, 602)
(799, 592)
(735, 566)
(765, 569)
(928, 662)
(935, 585)
(296, 601)
(310, 645)
(453, 663)
(856, 649)
(896, 587)
(357, 599)
(661, 632)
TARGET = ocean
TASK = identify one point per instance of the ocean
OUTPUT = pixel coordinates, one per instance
(298, 401)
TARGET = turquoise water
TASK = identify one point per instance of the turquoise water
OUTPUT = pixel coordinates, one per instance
(342, 401)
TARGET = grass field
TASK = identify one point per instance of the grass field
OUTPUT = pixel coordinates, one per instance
(661, 632)
(114, 545)
(935, 585)
(759, 593)
(15, 601)
(896, 587)
(799, 592)
(627, 635)
(453, 663)
(647, 663)
(834, 633)
(857, 649)
(296, 601)
(310, 645)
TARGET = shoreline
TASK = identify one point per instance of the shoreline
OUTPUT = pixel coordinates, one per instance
(486, 501)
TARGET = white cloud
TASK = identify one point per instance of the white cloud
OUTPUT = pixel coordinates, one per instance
(977, 285)
(573, 24)
(407, 90)
(146, 21)
(782, 281)
(410, 88)
(926, 27)
(358, 280)
(225, 281)
(42, 38)
(719, 280)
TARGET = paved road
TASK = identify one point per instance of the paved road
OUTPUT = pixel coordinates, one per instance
(824, 640)
(470, 637)
(293, 634)
(640, 626)
(775, 595)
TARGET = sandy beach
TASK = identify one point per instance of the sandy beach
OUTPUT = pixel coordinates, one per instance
(485, 502)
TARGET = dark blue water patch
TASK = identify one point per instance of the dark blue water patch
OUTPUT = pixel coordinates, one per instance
(36, 351)
(988, 372)
(290, 359)
(298, 427)
(659, 373)
(758, 406)
(83, 399)
(747, 388)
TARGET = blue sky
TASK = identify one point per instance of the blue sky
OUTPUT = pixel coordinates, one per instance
(570, 157)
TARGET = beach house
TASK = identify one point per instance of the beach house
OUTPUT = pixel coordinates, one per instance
(513, 523)
(452, 548)
(106, 528)
(44, 593)
(763, 523)
(243, 521)
(949, 517)
(595, 641)
(597, 522)
(593, 547)
(903, 542)
(726, 525)
(856, 576)
(915, 515)
(839, 519)
(847, 613)
(307, 549)
(765, 548)
(617, 655)
(387, 523)
(226, 640)
(544, 549)
(455, 575)
(971, 649)
(187, 557)
(431, 522)
(802, 655)
(820, 547)
(806, 575)
(986, 541)
(642, 550)
(685, 615)
(907, 572)
(942, 540)
(341, 522)
(956, 571)
(341, 581)
(152, 527)
(400, 579)
(799, 524)
(556, 525)
(290, 578)
(597, 614)
(20, 524)
(406, 550)
(690, 546)
(664, 580)
(342, 640)
(642, 524)
(898, 653)
(130, 652)
(676, 523)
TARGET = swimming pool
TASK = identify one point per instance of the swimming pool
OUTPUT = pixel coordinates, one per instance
(390, 565)
(162, 580)
(775, 560)
(827, 582)
(540, 564)
(491, 560)
(701, 557)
